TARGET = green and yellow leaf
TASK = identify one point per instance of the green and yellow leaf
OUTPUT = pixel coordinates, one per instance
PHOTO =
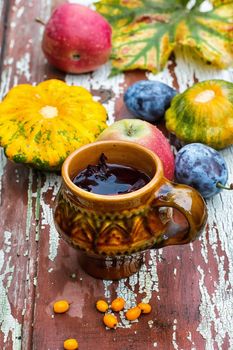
(145, 32)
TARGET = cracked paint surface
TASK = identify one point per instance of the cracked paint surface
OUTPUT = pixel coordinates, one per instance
(9, 325)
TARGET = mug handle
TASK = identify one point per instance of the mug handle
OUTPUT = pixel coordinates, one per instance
(188, 202)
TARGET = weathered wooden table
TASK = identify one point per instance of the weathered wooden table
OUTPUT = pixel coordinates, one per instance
(189, 287)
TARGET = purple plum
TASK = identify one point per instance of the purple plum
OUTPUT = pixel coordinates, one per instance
(201, 167)
(149, 100)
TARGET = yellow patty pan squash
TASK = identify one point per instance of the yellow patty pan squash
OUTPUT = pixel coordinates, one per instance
(203, 113)
(41, 125)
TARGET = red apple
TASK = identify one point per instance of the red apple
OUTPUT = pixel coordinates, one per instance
(76, 39)
(145, 134)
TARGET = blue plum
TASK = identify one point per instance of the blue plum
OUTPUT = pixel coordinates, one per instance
(201, 167)
(149, 100)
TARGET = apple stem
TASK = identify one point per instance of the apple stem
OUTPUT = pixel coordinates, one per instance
(130, 130)
(39, 20)
(219, 185)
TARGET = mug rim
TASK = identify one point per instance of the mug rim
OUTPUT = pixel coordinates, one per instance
(112, 198)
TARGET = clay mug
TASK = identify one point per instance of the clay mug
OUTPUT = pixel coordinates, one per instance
(112, 232)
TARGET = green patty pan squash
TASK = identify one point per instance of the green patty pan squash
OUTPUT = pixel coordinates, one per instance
(41, 125)
(203, 113)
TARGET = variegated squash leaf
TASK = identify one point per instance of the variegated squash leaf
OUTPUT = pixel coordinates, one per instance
(145, 32)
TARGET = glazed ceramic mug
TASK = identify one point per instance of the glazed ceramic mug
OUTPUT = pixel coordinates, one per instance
(112, 232)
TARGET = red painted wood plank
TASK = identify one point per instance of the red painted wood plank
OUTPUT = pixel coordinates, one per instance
(23, 63)
(4, 9)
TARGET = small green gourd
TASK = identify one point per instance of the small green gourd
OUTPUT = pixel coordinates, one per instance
(203, 113)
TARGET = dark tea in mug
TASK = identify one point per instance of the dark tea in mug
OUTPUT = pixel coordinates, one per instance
(110, 179)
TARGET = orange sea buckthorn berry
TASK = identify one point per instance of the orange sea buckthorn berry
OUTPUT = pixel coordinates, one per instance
(110, 320)
(101, 305)
(133, 314)
(118, 304)
(145, 307)
(61, 306)
(70, 344)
